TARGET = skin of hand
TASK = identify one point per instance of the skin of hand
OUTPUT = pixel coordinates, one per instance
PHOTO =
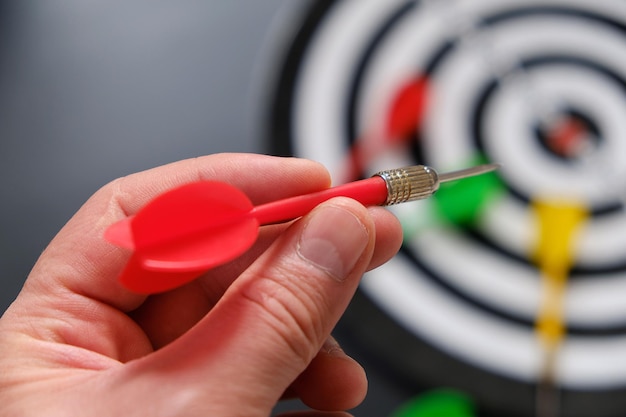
(234, 342)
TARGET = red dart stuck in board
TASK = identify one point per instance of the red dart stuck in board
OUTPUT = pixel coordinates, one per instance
(193, 228)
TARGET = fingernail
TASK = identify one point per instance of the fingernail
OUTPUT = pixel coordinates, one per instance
(333, 240)
(332, 347)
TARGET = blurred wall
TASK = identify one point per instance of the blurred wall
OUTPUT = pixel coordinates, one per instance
(93, 90)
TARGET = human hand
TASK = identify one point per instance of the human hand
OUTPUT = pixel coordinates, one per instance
(231, 343)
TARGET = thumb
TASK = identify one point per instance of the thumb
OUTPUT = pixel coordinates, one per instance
(274, 318)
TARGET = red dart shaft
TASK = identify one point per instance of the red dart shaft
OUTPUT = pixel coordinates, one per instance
(384, 188)
(369, 192)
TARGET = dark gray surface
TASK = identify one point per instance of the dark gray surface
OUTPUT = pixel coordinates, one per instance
(90, 91)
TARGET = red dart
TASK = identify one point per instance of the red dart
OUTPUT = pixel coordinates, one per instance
(407, 109)
(405, 115)
(191, 229)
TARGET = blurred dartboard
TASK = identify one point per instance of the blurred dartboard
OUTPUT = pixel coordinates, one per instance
(510, 287)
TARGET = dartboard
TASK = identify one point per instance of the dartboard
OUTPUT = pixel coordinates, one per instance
(510, 288)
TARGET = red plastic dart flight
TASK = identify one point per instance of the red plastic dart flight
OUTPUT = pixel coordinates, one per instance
(191, 229)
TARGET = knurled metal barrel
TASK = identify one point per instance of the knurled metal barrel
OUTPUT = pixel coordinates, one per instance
(409, 183)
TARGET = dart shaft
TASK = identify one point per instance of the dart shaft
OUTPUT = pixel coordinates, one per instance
(369, 192)
(384, 188)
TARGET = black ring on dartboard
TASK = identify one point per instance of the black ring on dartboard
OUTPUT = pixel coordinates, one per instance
(280, 126)
(414, 360)
(354, 90)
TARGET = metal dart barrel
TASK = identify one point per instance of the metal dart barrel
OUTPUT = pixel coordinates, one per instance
(420, 181)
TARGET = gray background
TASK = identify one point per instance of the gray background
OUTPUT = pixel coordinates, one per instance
(93, 90)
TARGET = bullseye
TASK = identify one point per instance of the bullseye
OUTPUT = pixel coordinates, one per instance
(570, 136)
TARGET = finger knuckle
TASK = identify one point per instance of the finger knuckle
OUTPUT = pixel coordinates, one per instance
(293, 307)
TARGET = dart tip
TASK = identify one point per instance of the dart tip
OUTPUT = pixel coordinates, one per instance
(485, 168)
(469, 172)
